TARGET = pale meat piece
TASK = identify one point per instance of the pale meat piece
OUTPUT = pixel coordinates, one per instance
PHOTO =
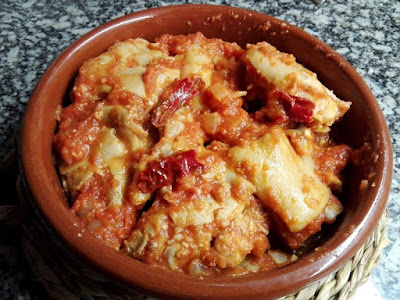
(284, 181)
(123, 68)
(123, 84)
(180, 133)
(271, 69)
(110, 151)
(208, 219)
(201, 56)
(196, 61)
(110, 156)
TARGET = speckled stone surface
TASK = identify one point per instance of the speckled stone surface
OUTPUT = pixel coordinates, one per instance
(365, 32)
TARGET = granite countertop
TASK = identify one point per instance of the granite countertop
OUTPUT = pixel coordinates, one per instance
(364, 32)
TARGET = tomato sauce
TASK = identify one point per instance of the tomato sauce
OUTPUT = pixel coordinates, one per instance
(142, 176)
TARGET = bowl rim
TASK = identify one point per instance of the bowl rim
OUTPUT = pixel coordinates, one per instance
(179, 285)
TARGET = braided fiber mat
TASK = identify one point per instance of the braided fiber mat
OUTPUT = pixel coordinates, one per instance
(74, 280)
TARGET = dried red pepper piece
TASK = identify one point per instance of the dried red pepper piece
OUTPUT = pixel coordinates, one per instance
(282, 107)
(176, 95)
(301, 110)
(297, 108)
(165, 170)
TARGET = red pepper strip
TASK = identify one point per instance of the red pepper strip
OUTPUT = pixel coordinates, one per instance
(301, 110)
(176, 95)
(164, 171)
(298, 109)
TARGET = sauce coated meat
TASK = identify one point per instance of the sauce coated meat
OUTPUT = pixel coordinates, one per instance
(190, 153)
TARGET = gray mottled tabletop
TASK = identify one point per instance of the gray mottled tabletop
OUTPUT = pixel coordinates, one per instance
(365, 32)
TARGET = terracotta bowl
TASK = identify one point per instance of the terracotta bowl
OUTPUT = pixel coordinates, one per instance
(364, 122)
